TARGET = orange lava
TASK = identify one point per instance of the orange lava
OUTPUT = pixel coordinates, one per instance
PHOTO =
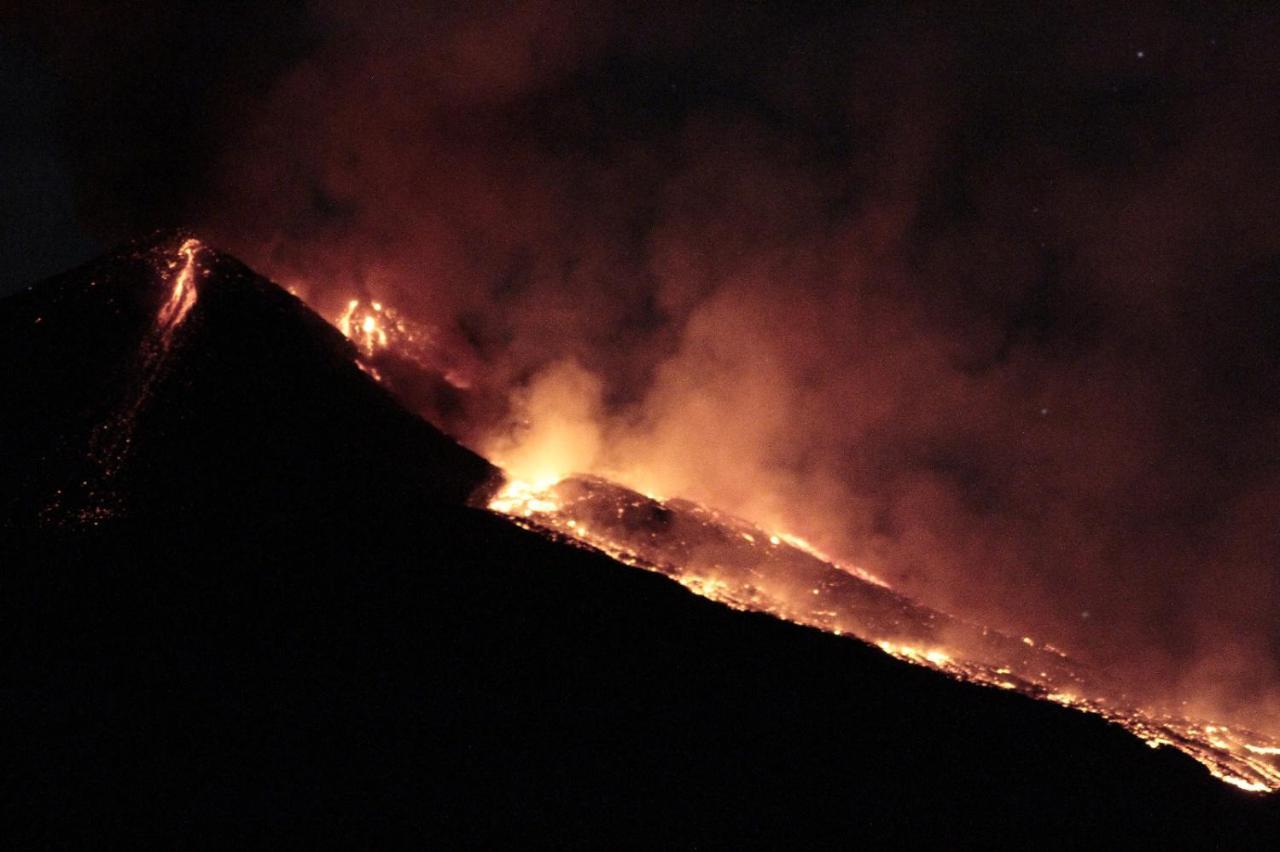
(735, 563)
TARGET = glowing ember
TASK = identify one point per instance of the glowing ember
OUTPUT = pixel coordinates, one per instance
(735, 563)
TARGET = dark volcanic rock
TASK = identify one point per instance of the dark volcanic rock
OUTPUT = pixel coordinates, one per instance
(254, 407)
(288, 628)
(253, 397)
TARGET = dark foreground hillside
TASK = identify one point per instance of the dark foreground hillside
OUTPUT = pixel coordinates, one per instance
(280, 623)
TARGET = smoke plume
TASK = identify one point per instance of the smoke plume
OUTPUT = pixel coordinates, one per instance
(987, 306)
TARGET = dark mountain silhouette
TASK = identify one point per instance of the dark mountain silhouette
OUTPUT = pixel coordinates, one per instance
(252, 395)
(245, 601)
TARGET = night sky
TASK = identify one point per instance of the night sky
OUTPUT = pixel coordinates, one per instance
(984, 301)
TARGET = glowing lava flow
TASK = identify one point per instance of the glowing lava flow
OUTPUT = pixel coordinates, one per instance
(375, 328)
(182, 294)
(383, 335)
(95, 499)
(180, 274)
(735, 563)
(366, 326)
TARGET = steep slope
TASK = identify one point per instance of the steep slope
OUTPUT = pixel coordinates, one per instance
(741, 565)
(166, 377)
(286, 624)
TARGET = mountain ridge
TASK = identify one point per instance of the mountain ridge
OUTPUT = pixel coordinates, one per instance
(297, 629)
(237, 326)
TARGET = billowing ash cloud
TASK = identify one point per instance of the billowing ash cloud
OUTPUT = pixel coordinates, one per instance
(989, 307)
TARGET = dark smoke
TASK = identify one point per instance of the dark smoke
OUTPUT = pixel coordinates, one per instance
(985, 302)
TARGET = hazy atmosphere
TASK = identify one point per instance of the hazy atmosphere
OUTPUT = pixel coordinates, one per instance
(988, 307)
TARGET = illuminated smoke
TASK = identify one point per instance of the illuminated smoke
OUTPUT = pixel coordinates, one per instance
(738, 564)
(987, 308)
(558, 429)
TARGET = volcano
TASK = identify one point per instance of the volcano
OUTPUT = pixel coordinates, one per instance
(250, 598)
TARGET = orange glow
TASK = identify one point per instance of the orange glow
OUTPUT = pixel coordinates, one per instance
(182, 294)
(367, 326)
(526, 499)
(377, 330)
(801, 544)
(559, 428)
(735, 563)
(558, 431)
(111, 442)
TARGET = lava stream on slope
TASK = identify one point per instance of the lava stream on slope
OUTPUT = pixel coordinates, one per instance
(736, 563)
